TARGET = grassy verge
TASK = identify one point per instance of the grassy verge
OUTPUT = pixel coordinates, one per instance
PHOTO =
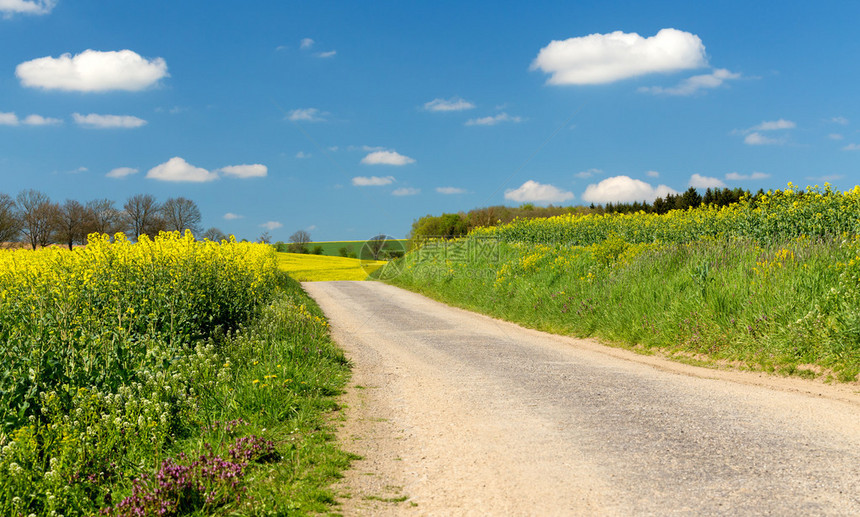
(788, 307)
(317, 268)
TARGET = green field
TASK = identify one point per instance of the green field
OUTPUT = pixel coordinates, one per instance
(332, 248)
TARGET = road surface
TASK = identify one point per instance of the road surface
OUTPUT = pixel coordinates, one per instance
(456, 413)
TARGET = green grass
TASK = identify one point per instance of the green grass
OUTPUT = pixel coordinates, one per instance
(786, 307)
(332, 248)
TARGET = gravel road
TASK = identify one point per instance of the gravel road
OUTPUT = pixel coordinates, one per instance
(456, 413)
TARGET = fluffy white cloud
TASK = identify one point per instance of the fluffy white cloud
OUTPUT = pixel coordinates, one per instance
(9, 7)
(324, 55)
(372, 181)
(92, 71)
(756, 138)
(699, 181)
(589, 173)
(178, 170)
(653, 174)
(450, 190)
(11, 119)
(492, 121)
(245, 171)
(534, 192)
(306, 43)
(230, 216)
(386, 158)
(605, 58)
(851, 147)
(835, 136)
(773, 125)
(307, 115)
(405, 191)
(734, 176)
(108, 121)
(624, 189)
(693, 84)
(452, 104)
(121, 172)
(8, 119)
(272, 225)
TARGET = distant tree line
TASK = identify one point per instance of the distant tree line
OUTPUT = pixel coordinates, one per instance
(454, 225)
(35, 220)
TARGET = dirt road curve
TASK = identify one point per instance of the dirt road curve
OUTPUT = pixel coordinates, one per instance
(459, 414)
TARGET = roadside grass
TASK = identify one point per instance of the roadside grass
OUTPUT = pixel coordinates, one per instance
(316, 268)
(786, 307)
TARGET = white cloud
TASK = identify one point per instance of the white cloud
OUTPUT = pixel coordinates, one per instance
(492, 121)
(307, 115)
(272, 225)
(653, 174)
(230, 216)
(302, 155)
(840, 120)
(734, 176)
(92, 71)
(94, 120)
(450, 190)
(589, 173)
(605, 58)
(835, 136)
(372, 181)
(8, 119)
(534, 192)
(306, 43)
(405, 191)
(39, 120)
(121, 172)
(773, 125)
(178, 170)
(10, 7)
(325, 55)
(386, 158)
(624, 189)
(756, 138)
(699, 181)
(693, 84)
(851, 147)
(452, 104)
(245, 171)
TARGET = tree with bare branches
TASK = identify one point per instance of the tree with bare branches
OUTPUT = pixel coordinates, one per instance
(71, 223)
(181, 214)
(104, 217)
(143, 215)
(38, 215)
(10, 224)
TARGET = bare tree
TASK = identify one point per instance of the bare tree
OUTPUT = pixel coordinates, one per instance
(265, 238)
(299, 241)
(214, 234)
(143, 215)
(181, 214)
(37, 215)
(104, 217)
(10, 225)
(70, 223)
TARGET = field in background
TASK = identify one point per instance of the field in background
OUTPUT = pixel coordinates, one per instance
(318, 268)
(332, 248)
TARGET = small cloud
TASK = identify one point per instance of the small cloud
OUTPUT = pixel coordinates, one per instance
(653, 174)
(405, 191)
(699, 181)
(333, 148)
(271, 225)
(835, 136)
(39, 120)
(230, 216)
(734, 176)
(372, 181)
(774, 125)
(534, 192)
(306, 43)
(302, 155)
(244, 171)
(307, 115)
(450, 190)
(826, 178)
(624, 189)
(311, 228)
(386, 158)
(35, 7)
(92, 71)
(79, 170)
(606, 58)
(107, 121)
(178, 170)
(756, 138)
(8, 119)
(452, 104)
(840, 120)
(589, 173)
(851, 147)
(326, 55)
(492, 121)
(121, 172)
(694, 84)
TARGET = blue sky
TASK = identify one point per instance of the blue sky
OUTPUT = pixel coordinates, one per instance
(349, 119)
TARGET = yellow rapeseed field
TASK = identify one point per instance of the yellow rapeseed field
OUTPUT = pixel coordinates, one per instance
(319, 268)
